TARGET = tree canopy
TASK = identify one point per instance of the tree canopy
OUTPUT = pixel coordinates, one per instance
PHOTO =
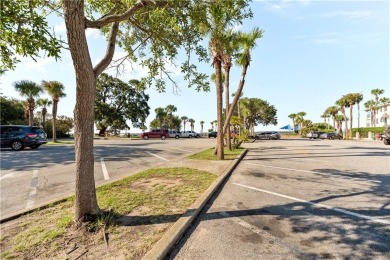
(117, 101)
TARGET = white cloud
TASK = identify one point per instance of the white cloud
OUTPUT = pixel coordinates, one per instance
(350, 14)
(93, 34)
(41, 64)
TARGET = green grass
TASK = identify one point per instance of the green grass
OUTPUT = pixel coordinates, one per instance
(208, 154)
(159, 193)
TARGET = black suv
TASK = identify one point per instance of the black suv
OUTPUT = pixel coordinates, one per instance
(19, 136)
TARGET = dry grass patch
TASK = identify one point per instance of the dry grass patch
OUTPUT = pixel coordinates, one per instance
(138, 211)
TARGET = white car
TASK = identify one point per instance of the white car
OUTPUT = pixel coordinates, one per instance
(190, 134)
(174, 134)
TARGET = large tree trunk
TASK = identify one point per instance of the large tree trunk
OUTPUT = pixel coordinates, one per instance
(85, 202)
(218, 82)
(54, 112)
(44, 112)
(31, 106)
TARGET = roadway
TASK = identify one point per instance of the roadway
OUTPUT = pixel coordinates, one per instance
(298, 199)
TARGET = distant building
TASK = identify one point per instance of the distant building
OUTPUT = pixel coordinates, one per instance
(382, 116)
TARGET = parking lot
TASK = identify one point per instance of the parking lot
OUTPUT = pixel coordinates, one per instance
(299, 199)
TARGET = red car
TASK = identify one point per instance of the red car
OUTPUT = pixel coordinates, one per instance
(155, 133)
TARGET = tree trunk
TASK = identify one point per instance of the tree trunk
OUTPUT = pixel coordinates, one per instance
(358, 105)
(218, 82)
(350, 122)
(85, 193)
(54, 120)
(44, 112)
(31, 105)
(227, 76)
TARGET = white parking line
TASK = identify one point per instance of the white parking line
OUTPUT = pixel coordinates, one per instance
(319, 173)
(382, 221)
(33, 190)
(182, 150)
(158, 156)
(104, 168)
(7, 176)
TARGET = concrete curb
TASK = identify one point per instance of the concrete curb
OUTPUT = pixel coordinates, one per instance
(173, 235)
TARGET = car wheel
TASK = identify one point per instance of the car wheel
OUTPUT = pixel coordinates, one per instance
(146, 137)
(35, 146)
(190, 136)
(176, 137)
(163, 137)
(17, 145)
(386, 141)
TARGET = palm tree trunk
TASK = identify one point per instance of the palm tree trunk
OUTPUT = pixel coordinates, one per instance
(358, 116)
(54, 120)
(85, 192)
(219, 148)
(350, 121)
(227, 75)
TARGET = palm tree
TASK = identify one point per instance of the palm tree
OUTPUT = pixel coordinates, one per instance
(247, 41)
(201, 126)
(184, 119)
(192, 121)
(300, 119)
(160, 115)
(31, 90)
(326, 116)
(339, 119)
(358, 99)
(56, 90)
(44, 103)
(370, 105)
(212, 125)
(332, 110)
(343, 103)
(169, 110)
(350, 100)
(292, 117)
(376, 92)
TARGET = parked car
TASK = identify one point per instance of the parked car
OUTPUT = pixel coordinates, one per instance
(272, 135)
(331, 136)
(174, 134)
(190, 134)
(386, 135)
(18, 137)
(314, 134)
(155, 133)
(213, 134)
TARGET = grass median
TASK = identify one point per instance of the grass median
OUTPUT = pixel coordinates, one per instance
(136, 212)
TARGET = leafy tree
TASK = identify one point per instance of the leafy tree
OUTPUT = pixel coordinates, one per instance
(56, 90)
(117, 101)
(24, 31)
(43, 103)
(257, 111)
(326, 116)
(31, 90)
(11, 111)
(170, 109)
(64, 126)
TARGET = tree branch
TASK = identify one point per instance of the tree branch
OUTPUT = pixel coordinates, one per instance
(107, 19)
(102, 65)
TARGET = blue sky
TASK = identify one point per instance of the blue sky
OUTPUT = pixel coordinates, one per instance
(312, 53)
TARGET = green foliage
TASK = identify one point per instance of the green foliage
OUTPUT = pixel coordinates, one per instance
(11, 112)
(258, 111)
(117, 101)
(64, 125)
(24, 31)
(363, 131)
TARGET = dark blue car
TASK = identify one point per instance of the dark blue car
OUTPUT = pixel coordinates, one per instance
(18, 137)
